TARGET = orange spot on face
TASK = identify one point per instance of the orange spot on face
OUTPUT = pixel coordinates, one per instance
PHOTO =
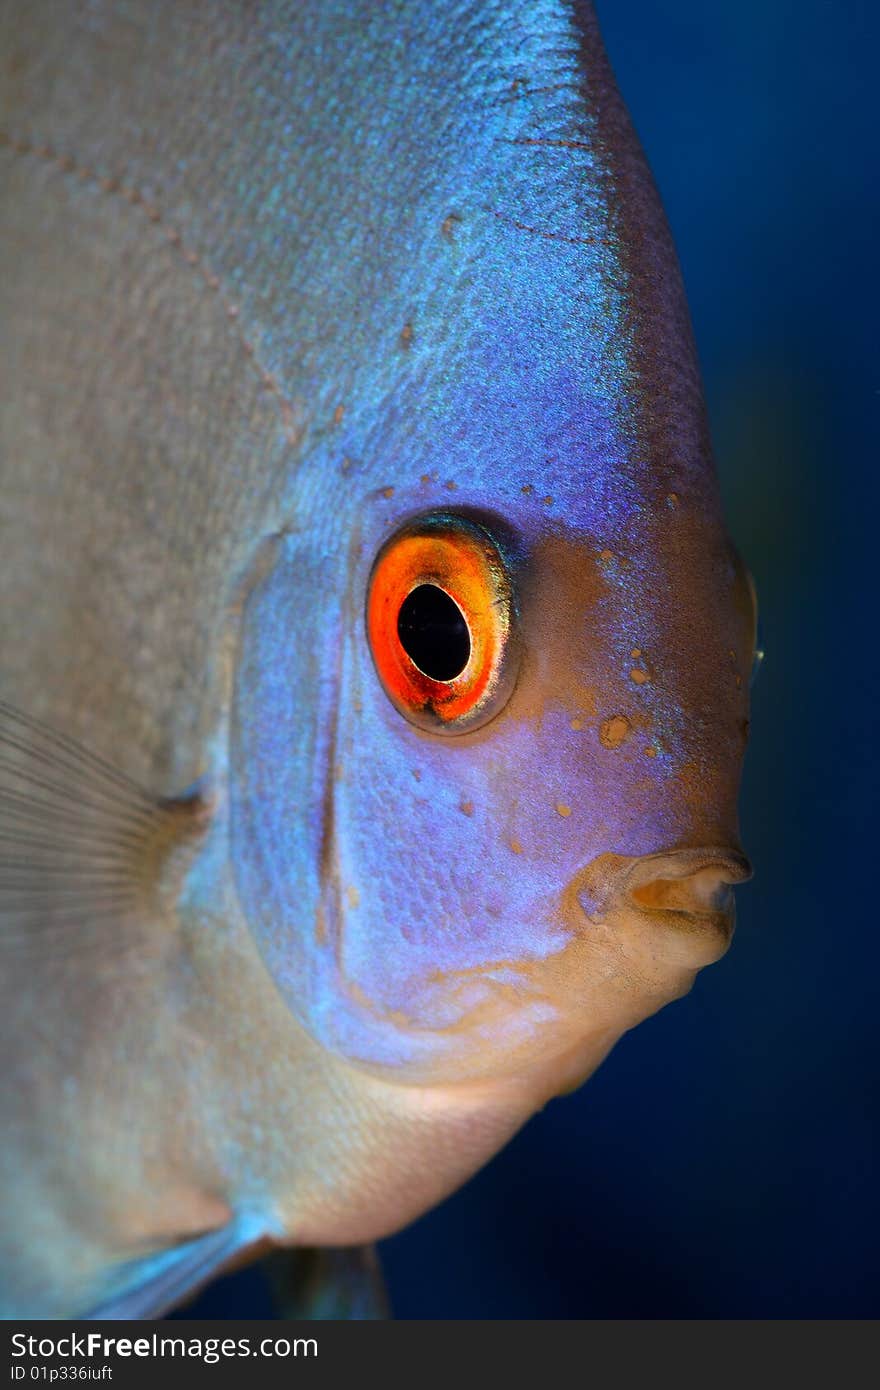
(547, 501)
(562, 809)
(451, 486)
(650, 751)
(467, 808)
(577, 724)
(516, 847)
(614, 731)
(636, 653)
(639, 676)
(388, 492)
(338, 414)
(527, 489)
(406, 335)
(606, 555)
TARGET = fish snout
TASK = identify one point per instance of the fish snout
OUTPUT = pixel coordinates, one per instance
(686, 893)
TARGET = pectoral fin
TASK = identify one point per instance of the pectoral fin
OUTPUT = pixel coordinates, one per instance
(149, 1287)
(85, 852)
(325, 1284)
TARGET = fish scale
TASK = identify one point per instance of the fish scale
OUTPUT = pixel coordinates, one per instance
(296, 934)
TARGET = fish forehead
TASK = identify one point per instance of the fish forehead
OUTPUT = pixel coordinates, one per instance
(470, 274)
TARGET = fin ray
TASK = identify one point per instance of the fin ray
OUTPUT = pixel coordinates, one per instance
(82, 845)
(152, 1286)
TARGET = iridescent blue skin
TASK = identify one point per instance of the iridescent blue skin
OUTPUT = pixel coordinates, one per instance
(286, 276)
(549, 383)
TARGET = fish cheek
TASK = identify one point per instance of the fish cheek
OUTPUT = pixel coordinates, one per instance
(440, 907)
(422, 838)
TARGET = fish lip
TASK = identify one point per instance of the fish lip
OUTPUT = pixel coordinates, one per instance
(682, 863)
(721, 923)
(696, 936)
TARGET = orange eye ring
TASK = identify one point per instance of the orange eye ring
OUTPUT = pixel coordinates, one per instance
(422, 575)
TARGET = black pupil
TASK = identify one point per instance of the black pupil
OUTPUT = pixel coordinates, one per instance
(433, 633)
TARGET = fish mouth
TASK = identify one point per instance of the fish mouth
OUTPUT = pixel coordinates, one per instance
(682, 899)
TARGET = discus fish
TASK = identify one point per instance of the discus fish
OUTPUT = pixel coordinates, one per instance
(374, 657)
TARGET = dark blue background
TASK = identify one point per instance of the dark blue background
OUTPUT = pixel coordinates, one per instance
(722, 1162)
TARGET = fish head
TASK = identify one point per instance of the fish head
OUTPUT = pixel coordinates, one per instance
(492, 696)
(518, 801)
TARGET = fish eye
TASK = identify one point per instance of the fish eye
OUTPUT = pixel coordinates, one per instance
(434, 633)
(441, 623)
